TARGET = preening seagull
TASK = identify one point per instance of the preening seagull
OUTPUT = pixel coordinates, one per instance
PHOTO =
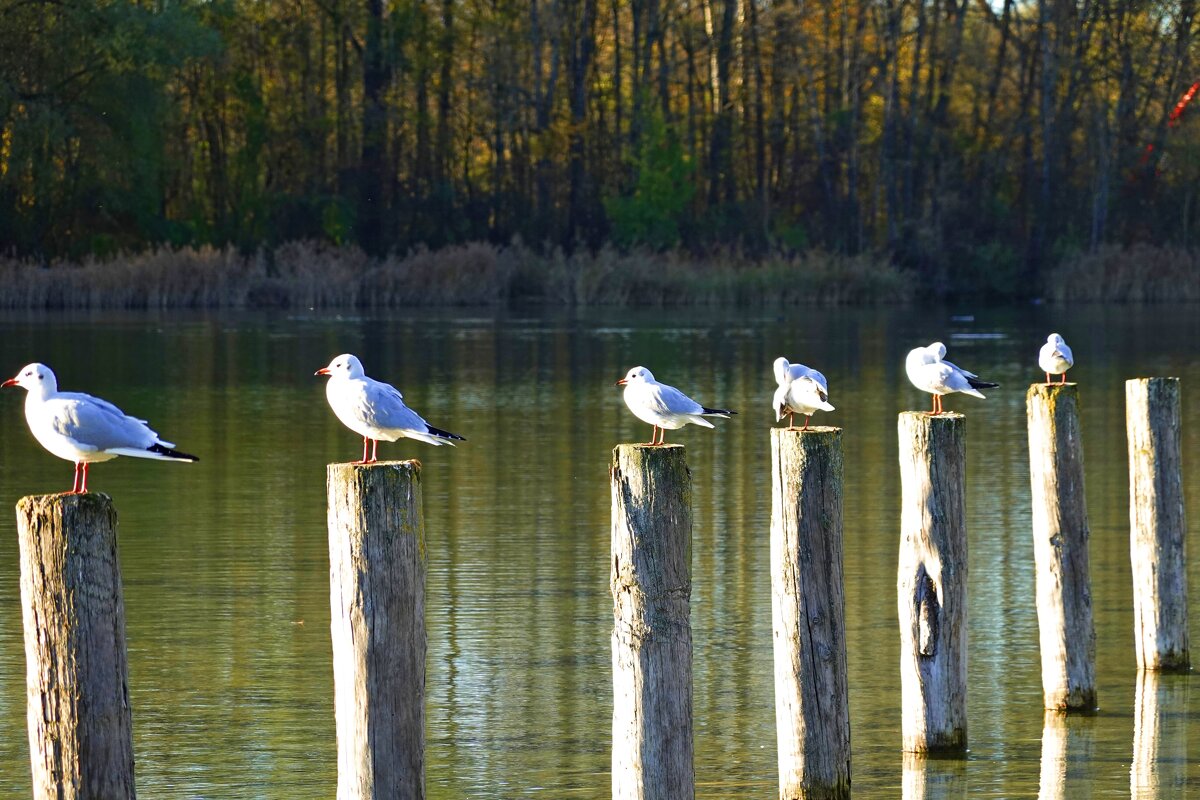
(663, 406)
(929, 371)
(1055, 357)
(85, 429)
(801, 391)
(375, 410)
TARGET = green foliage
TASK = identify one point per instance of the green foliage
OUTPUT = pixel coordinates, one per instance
(652, 213)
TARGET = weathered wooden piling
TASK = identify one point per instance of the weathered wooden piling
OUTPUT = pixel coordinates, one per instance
(651, 583)
(932, 583)
(812, 715)
(1067, 634)
(76, 667)
(1157, 528)
(377, 605)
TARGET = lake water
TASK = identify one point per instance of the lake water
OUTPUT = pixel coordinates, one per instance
(226, 564)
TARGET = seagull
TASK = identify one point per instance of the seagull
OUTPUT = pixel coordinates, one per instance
(929, 371)
(85, 429)
(1055, 357)
(664, 406)
(375, 410)
(801, 391)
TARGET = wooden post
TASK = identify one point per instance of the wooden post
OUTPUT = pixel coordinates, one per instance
(76, 667)
(812, 715)
(377, 605)
(932, 583)
(1157, 527)
(651, 582)
(1060, 548)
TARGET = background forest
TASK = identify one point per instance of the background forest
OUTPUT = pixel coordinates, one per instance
(974, 144)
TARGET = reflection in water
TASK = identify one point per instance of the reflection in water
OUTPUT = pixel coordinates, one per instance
(1160, 737)
(934, 778)
(1054, 756)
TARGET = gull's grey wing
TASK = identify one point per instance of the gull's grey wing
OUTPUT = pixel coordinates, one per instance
(957, 368)
(384, 407)
(669, 400)
(97, 423)
(1065, 352)
(819, 380)
(949, 376)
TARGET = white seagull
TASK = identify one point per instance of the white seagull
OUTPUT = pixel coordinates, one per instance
(375, 410)
(664, 406)
(801, 391)
(85, 429)
(929, 371)
(1055, 357)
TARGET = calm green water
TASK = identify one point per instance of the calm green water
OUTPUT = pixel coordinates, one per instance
(225, 561)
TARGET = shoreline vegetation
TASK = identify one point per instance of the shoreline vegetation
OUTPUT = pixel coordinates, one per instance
(317, 275)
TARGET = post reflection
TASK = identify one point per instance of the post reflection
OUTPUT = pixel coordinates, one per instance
(928, 778)
(1053, 782)
(1158, 770)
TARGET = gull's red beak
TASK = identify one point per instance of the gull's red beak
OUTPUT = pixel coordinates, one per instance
(622, 382)
(9, 382)
(322, 371)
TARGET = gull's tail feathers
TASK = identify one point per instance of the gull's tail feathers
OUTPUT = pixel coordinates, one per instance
(158, 452)
(717, 412)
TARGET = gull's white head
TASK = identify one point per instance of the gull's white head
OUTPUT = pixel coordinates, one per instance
(636, 375)
(1054, 338)
(781, 370)
(35, 378)
(920, 356)
(343, 366)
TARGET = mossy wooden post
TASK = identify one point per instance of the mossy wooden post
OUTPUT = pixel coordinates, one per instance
(651, 583)
(76, 667)
(812, 714)
(1067, 634)
(1157, 527)
(932, 583)
(377, 605)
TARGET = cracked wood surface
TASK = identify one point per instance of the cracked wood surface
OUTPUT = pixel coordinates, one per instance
(77, 674)
(812, 717)
(931, 585)
(651, 583)
(377, 605)
(1066, 632)
(1157, 527)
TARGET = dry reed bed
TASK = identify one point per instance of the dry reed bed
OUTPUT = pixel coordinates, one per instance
(1142, 273)
(311, 275)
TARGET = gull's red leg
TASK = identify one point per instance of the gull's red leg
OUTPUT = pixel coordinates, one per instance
(1064, 378)
(374, 450)
(653, 435)
(1047, 378)
(662, 436)
(75, 485)
(806, 419)
(83, 486)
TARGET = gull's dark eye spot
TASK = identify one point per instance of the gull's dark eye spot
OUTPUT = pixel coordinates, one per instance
(41, 377)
